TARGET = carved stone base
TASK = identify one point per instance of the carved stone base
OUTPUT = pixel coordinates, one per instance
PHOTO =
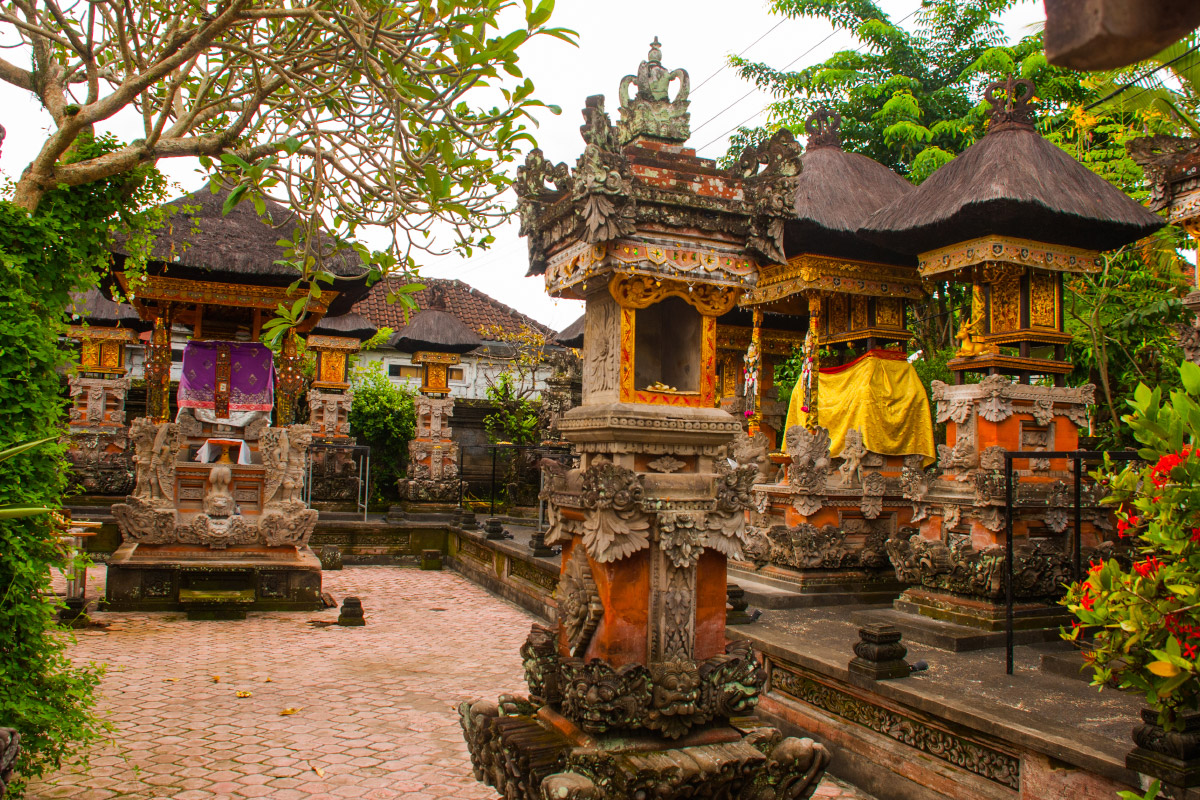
(978, 613)
(429, 491)
(772, 586)
(531, 753)
(157, 522)
(181, 577)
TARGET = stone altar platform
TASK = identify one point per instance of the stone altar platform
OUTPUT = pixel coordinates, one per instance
(962, 729)
(213, 584)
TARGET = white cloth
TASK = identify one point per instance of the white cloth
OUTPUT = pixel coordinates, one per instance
(210, 452)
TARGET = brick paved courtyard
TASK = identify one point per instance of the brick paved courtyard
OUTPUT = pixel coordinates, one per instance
(374, 706)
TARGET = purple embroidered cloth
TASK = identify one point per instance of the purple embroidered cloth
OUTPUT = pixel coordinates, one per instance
(251, 376)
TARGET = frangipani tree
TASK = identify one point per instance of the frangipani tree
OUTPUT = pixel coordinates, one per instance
(401, 114)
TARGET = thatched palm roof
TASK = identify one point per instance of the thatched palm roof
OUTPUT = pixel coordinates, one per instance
(1012, 182)
(436, 331)
(572, 335)
(201, 243)
(837, 192)
(95, 308)
(351, 324)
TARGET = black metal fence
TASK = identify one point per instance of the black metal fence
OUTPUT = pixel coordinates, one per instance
(1077, 459)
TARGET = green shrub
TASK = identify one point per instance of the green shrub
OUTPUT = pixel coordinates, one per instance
(1147, 616)
(383, 416)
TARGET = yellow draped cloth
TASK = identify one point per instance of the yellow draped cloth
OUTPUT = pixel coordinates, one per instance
(882, 397)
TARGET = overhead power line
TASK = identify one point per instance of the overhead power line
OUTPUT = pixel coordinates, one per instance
(743, 52)
(787, 66)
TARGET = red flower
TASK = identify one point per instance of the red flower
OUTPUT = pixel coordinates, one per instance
(1087, 601)
(1147, 567)
(1160, 473)
(1196, 535)
(1096, 567)
(1189, 651)
(1125, 525)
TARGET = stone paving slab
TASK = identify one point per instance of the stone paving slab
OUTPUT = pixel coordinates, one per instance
(375, 706)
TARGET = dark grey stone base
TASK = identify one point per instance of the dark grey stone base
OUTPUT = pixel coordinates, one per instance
(773, 587)
(213, 584)
(953, 636)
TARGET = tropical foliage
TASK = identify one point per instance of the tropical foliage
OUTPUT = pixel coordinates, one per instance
(1146, 617)
(44, 254)
(913, 97)
(383, 416)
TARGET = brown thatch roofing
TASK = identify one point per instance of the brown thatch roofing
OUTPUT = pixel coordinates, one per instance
(351, 324)
(1012, 182)
(95, 308)
(198, 242)
(836, 194)
(572, 335)
(437, 331)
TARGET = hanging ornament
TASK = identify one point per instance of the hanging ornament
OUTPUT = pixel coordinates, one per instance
(750, 375)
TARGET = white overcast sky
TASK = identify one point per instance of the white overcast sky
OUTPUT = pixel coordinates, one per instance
(614, 37)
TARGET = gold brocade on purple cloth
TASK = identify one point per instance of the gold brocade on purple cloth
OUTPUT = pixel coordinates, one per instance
(227, 376)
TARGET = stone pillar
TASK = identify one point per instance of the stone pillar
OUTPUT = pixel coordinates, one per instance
(632, 693)
(432, 475)
(99, 452)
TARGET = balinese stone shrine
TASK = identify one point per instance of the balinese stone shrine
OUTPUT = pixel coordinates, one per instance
(217, 522)
(659, 243)
(1011, 216)
(437, 340)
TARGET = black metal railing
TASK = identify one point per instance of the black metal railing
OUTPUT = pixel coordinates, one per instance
(361, 454)
(1077, 458)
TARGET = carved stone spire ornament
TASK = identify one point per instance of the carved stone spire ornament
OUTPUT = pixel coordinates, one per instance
(654, 510)
(651, 112)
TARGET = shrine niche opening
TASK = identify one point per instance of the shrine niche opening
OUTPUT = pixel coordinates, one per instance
(667, 346)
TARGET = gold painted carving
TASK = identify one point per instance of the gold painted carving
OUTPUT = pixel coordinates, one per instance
(858, 313)
(1008, 250)
(804, 273)
(838, 314)
(426, 357)
(1005, 305)
(1043, 300)
(889, 313)
(643, 291)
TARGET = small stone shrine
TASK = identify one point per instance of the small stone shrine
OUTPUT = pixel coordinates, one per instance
(636, 693)
(101, 461)
(1011, 216)
(437, 340)
(217, 522)
(333, 342)
(819, 529)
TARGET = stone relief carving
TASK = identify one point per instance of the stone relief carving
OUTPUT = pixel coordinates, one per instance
(667, 464)
(681, 539)
(601, 353)
(959, 456)
(809, 451)
(615, 526)
(983, 761)
(874, 486)
(149, 515)
(1039, 570)
(753, 451)
(853, 453)
(580, 604)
